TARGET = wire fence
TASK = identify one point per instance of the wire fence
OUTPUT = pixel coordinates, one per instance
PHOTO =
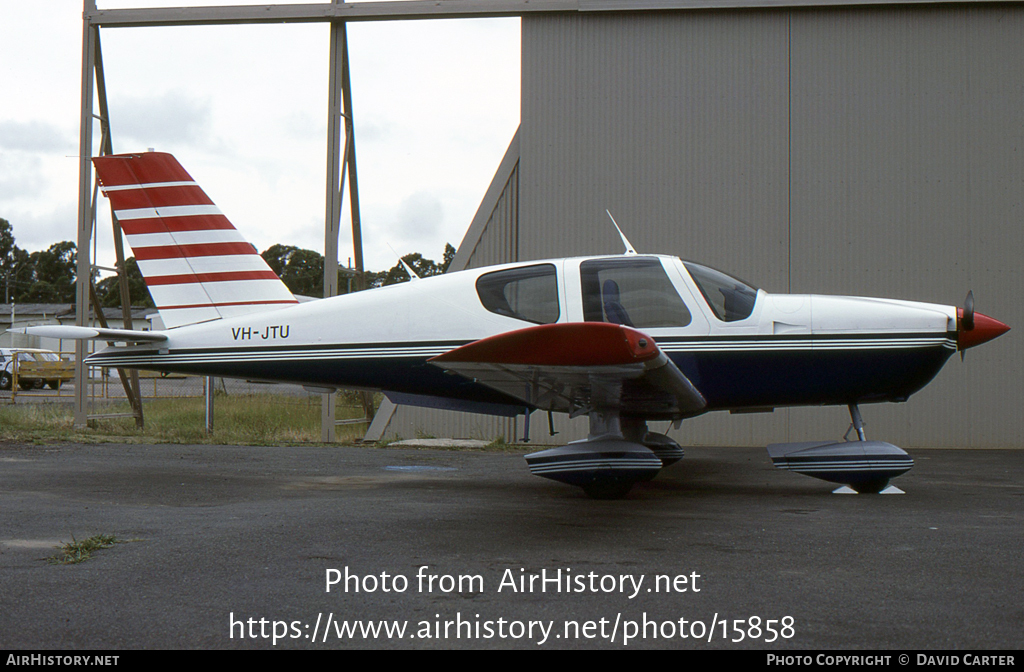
(33, 382)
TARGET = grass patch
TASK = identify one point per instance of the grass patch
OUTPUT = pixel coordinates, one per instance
(79, 551)
(253, 419)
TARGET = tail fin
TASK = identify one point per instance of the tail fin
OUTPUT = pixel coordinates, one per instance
(195, 263)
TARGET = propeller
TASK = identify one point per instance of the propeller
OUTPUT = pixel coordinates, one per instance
(974, 328)
(967, 321)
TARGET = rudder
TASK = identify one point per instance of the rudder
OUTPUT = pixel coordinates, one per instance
(196, 265)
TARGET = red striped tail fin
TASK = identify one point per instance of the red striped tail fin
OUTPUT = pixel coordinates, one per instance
(195, 263)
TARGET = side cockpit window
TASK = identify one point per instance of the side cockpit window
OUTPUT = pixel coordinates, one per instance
(632, 292)
(730, 298)
(528, 293)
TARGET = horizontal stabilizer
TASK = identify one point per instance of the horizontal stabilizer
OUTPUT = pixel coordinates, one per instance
(88, 333)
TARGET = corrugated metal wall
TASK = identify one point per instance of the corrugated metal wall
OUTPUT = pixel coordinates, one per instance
(678, 124)
(492, 238)
(908, 181)
(499, 241)
(867, 151)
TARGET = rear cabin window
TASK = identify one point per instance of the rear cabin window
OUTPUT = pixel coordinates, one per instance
(529, 293)
(632, 292)
(730, 298)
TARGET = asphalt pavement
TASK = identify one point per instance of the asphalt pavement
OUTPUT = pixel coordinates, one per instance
(353, 547)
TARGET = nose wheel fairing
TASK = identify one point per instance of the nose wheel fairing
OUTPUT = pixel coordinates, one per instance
(866, 466)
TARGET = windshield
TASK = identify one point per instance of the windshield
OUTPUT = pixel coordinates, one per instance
(730, 298)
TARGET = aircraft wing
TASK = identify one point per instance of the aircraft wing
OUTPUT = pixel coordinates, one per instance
(578, 367)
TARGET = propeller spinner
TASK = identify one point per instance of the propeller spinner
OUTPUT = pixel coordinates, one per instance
(975, 328)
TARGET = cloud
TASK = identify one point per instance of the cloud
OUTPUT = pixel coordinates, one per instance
(171, 118)
(21, 177)
(33, 136)
(419, 216)
(373, 130)
(35, 231)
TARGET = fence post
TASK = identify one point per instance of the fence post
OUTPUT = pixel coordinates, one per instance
(208, 394)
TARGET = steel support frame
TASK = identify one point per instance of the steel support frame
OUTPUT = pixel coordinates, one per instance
(90, 34)
(339, 163)
(337, 14)
(85, 292)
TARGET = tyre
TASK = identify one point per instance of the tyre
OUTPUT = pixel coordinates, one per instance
(608, 489)
(5, 380)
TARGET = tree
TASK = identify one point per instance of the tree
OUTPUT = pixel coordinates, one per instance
(7, 248)
(449, 257)
(53, 274)
(422, 266)
(47, 276)
(15, 266)
(109, 289)
(6, 242)
(17, 276)
(302, 271)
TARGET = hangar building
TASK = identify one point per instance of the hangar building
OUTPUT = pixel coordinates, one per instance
(862, 149)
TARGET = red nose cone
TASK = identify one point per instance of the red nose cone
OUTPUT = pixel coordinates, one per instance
(985, 329)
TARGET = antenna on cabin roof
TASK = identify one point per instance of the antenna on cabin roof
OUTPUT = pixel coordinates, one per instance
(629, 245)
(413, 275)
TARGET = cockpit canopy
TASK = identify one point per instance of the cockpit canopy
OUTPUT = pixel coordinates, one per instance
(634, 291)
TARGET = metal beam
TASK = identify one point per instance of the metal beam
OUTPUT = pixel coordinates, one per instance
(335, 186)
(84, 263)
(324, 12)
(350, 161)
(129, 377)
(435, 9)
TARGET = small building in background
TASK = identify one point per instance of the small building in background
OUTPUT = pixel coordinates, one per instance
(14, 315)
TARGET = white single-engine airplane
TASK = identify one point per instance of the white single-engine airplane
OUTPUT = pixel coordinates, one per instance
(624, 339)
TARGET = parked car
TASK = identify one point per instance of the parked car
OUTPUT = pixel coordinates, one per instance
(26, 356)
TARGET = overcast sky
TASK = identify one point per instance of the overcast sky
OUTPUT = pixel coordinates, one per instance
(244, 110)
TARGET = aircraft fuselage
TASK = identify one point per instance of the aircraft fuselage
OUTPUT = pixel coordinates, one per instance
(742, 348)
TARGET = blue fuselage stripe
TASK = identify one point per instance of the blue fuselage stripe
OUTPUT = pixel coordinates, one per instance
(730, 373)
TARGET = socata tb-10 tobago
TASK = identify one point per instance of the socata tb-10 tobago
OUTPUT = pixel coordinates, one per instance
(623, 339)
